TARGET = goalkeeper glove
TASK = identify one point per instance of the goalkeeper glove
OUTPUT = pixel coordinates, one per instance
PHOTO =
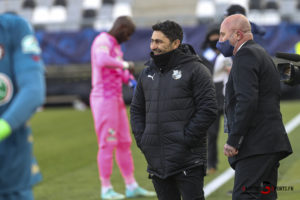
(5, 129)
(132, 83)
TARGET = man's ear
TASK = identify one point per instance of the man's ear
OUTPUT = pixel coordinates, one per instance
(176, 43)
(240, 35)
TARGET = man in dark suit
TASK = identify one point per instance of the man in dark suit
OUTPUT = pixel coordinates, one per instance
(257, 139)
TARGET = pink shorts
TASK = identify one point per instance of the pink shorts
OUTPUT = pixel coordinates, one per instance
(110, 121)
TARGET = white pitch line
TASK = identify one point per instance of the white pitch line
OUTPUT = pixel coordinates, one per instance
(229, 173)
(292, 124)
(218, 182)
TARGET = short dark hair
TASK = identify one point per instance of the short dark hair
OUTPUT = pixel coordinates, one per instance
(235, 9)
(170, 29)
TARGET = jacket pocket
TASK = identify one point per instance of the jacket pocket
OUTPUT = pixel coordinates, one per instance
(191, 142)
(178, 138)
(138, 138)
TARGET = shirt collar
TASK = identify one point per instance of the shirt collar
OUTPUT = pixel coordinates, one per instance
(241, 46)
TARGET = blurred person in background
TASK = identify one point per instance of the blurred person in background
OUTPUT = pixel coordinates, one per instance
(257, 139)
(109, 72)
(220, 68)
(257, 31)
(22, 91)
(209, 49)
(173, 105)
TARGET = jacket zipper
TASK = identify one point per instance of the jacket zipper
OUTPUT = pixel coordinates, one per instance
(158, 118)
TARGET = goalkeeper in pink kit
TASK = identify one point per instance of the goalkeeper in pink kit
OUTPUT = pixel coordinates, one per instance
(109, 72)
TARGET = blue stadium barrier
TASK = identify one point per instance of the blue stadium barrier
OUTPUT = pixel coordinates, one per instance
(61, 48)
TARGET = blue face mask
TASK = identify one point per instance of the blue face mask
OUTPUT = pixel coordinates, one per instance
(225, 48)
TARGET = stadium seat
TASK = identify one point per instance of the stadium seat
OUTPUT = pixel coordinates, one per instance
(74, 15)
(272, 5)
(58, 14)
(255, 5)
(44, 3)
(41, 15)
(108, 2)
(271, 17)
(89, 13)
(88, 18)
(29, 4)
(103, 25)
(60, 3)
(205, 10)
(91, 4)
(104, 20)
(266, 17)
(121, 8)
(287, 9)
(12, 6)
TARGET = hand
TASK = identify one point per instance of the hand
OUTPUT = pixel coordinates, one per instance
(227, 69)
(131, 67)
(230, 151)
(132, 83)
(5, 129)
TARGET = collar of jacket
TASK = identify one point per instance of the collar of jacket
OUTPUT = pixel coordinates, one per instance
(183, 54)
(162, 61)
(248, 42)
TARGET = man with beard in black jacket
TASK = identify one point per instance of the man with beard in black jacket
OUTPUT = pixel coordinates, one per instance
(173, 106)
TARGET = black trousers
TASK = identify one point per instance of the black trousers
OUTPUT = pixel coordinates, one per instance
(213, 131)
(212, 143)
(256, 178)
(187, 184)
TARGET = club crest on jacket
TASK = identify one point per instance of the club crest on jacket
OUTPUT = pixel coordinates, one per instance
(176, 74)
(6, 89)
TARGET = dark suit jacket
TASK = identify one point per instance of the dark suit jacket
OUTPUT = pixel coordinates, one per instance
(252, 105)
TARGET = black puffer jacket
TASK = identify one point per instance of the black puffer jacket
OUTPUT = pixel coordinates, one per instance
(171, 112)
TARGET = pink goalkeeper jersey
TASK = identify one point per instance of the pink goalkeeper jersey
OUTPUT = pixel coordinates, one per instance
(107, 67)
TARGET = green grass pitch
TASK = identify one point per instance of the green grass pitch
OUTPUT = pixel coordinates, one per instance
(66, 150)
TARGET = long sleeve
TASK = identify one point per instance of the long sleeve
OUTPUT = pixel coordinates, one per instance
(245, 81)
(102, 53)
(206, 106)
(28, 72)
